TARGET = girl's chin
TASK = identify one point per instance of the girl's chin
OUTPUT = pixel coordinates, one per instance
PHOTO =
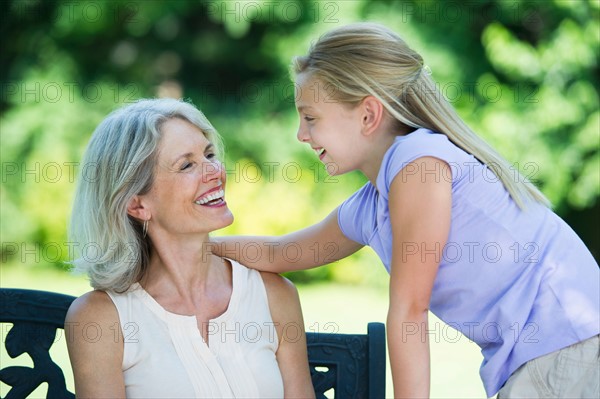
(332, 169)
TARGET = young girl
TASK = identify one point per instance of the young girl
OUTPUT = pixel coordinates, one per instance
(460, 233)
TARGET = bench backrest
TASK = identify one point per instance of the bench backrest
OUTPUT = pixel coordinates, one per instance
(352, 365)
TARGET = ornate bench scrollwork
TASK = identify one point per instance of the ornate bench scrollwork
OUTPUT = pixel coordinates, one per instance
(353, 365)
(36, 316)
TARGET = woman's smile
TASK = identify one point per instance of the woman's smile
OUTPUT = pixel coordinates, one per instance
(212, 198)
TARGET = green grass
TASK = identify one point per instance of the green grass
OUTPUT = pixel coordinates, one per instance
(326, 308)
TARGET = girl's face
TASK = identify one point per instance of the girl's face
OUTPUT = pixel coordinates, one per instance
(331, 128)
(188, 192)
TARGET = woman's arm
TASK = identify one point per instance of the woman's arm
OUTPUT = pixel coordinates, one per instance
(95, 345)
(291, 355)
(420, 206)
(313, 246)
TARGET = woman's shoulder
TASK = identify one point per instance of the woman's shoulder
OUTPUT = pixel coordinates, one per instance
(281, 292)
(284, 305)
(94, 306)
(278, 284)
(95, 345)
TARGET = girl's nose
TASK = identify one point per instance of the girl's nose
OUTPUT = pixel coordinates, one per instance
(302, 135)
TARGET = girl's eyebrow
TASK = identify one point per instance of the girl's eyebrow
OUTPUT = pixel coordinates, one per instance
(209, 147)
(303, 107)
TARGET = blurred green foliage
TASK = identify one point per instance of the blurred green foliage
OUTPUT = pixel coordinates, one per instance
(523, 74)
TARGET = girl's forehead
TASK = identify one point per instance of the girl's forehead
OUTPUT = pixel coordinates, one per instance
(306, 80)
(308, 91)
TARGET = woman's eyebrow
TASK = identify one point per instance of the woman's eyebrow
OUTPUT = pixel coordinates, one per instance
(186, 155)
(209, 147)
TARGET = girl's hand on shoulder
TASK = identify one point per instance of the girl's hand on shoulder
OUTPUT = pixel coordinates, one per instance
(316, 245)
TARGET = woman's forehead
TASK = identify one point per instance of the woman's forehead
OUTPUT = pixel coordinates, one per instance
(178, 133)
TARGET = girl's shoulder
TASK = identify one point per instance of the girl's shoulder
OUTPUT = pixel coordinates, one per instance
(422, 141)
(419, 144)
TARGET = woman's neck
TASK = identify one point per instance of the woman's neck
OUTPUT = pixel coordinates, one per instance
(180, 266)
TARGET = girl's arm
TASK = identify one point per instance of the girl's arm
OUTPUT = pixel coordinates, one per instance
(313, 246)
(291, 354)
(420, 206)
(95, 346)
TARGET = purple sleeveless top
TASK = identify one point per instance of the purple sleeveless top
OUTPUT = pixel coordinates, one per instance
(520, 284)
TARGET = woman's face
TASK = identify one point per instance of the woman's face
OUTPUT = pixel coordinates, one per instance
(188, 193)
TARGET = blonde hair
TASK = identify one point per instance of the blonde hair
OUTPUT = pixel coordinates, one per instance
(118, 164)
(363, 59)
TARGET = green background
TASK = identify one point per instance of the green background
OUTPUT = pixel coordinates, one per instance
(523, 74)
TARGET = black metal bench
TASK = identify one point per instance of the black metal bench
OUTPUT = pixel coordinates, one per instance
(347, 365)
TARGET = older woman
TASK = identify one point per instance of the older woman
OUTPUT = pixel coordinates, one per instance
(167, 318)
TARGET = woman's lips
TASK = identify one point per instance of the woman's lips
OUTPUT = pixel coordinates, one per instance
(212, 198)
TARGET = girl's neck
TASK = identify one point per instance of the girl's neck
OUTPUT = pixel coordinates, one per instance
(379, 146)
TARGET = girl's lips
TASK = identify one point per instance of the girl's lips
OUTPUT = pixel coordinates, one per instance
(320, 152)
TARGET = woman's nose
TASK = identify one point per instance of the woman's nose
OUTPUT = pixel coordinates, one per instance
(212, 171)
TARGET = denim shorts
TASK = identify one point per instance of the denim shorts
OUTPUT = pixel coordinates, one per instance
(572, 372)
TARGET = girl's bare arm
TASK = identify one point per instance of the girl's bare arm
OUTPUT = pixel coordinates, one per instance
(420, 209)
(313, 246)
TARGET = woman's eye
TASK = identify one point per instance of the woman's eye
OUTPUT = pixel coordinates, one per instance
(211, 156)
(309, 119)
(186, 165)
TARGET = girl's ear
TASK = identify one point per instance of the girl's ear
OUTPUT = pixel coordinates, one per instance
(372, 114)
(136, 209)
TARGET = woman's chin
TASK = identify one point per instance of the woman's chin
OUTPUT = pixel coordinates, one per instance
(226, 221)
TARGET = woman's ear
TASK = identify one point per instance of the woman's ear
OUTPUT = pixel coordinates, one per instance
(136, 209)
(372, 114)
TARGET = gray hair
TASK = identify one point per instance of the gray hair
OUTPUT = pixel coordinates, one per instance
(119, 164)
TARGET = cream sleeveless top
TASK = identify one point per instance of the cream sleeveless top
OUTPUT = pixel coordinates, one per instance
(165, 355)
